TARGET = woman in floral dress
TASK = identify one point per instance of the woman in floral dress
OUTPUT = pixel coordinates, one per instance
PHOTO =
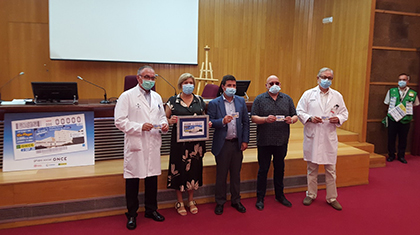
(185, 171)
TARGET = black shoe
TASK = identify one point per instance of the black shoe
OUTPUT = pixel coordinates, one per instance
(155, 216)
(390, 159)
(239, 207)
(259, 205)
(218, 210)
(131, 222)
(284, 201)
(401, 159)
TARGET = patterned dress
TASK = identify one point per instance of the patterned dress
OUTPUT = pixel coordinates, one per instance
(185, 170)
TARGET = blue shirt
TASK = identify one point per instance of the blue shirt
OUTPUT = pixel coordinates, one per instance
(230, 110)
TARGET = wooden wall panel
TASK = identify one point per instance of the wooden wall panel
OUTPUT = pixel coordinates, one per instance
(399, 5)
(28, 52)
(377, 134)
(397, 31)
(4, 43)
(377, 108)
(250, 39)
(28, 11)
(396, 38)
(388, 64)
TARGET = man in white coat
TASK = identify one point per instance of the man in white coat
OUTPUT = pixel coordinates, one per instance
(140, 114)
(321, 110)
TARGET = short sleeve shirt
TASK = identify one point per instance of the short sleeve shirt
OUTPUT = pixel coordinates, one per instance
(276, 133)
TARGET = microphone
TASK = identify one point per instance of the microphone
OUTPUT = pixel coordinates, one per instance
(20, 74)
(157, 75)
(105, 101)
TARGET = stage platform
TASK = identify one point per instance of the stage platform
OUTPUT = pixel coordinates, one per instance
(52, 195)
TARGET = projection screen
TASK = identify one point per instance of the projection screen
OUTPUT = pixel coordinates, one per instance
(153, 31)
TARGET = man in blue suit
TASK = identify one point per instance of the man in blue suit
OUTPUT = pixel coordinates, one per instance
(229, 116)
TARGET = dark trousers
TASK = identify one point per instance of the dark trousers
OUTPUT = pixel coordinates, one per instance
(401, 130)
(264, 161)
(132, 192)
(229, 160)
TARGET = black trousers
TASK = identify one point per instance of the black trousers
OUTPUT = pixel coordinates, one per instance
(264, 161)
(401, 130)
(132, 192)
(229, 160)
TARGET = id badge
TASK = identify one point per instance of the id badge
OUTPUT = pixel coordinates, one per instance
(235, 115)
(409, 108)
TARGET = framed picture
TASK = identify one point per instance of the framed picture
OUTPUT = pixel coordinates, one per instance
(192, 128)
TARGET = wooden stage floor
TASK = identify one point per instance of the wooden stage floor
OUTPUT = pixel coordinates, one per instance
(48, 195)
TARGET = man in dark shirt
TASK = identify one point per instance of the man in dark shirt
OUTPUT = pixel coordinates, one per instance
(273, 112)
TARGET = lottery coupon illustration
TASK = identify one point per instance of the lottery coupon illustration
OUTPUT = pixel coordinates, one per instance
(50, 135)
(193, 128)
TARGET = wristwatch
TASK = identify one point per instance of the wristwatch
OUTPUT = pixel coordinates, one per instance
(309, 119)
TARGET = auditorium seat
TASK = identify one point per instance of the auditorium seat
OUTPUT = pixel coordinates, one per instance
(210, 91)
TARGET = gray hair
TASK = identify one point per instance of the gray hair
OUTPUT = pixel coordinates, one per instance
(325, 69)
(144, 67)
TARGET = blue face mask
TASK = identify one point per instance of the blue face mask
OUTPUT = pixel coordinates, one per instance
(325, 83)
(187, 89)
(402, 84)
(274, 89)
(230, 91)
(147, 84)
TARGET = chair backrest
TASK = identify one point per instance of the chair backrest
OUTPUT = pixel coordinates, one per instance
(210, 91)
(131, 81)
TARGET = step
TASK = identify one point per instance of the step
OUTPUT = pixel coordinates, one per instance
(365, 146)
(377, 160)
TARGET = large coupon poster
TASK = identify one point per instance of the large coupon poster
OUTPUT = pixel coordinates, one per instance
(48, 140)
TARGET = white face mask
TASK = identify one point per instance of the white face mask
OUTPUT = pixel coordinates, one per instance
(402, 84)
(187, 89)
(230, 91)
(274, 89)
(325, 83)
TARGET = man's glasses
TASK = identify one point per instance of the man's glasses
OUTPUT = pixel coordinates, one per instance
(326, 77)
(274, 83)
(148, 77)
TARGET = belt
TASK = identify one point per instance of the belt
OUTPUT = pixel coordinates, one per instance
(232, 140)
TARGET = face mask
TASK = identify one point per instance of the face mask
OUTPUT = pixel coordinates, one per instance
(187, 89)
(325, 83)
(230, 91)
(147, 85)
(274, 89)
(402, 84)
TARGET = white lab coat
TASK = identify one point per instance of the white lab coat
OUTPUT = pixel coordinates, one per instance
(320, 139)
(141, 148)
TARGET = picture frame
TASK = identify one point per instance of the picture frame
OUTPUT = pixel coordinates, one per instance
(192, 128)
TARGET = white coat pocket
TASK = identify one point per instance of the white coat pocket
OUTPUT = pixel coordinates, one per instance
(309, 130)
(133, 144)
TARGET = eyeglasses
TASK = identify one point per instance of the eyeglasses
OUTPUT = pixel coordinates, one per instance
(272, 83)
(148, 77)
(326, 77)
